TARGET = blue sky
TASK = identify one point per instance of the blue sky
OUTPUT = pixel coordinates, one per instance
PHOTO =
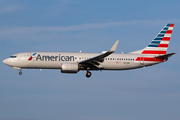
(90, 26)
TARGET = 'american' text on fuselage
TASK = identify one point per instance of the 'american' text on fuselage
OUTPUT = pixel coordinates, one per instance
(54, 58)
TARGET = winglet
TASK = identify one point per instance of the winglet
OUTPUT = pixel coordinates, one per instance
(114, 46)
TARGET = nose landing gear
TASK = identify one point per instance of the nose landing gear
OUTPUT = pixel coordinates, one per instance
(17, 68)
(20, 72)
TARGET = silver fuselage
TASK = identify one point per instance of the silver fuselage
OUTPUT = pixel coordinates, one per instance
(54, 60)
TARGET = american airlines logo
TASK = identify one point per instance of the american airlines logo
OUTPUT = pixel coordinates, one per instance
(54, 58)
(32, 56)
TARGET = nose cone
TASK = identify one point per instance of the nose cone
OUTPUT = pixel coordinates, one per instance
(5, 61)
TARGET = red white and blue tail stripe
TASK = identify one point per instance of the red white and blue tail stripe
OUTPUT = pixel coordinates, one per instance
(157, 47)
(159, 44)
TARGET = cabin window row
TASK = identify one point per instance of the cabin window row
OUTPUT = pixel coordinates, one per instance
(81, 58)
(129, 59)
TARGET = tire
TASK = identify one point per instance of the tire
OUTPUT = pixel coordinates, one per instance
(88, 74)
(20, 73)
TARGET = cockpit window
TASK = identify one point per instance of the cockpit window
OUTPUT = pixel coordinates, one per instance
(12, 56)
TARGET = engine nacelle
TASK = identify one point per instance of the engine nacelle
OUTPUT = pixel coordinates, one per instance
(69, 68)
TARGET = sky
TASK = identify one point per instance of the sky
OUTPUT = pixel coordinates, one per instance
(88, 26)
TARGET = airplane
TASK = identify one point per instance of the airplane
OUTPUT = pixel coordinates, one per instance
(73, 62)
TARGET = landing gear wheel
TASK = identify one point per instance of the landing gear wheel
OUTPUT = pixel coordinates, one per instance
(20, 73)
(88, 74)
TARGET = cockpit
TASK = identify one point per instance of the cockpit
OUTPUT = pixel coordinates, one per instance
(13, 56)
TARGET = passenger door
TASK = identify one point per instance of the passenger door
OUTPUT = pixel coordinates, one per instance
(141, 60)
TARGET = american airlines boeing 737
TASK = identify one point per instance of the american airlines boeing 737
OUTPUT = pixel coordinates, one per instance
(71, 62)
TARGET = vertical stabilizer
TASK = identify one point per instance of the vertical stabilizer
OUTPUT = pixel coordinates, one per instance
(159, 44)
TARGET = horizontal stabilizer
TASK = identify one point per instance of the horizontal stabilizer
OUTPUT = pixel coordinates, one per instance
(165, 56)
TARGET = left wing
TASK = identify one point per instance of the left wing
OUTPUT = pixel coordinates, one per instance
(95, 61)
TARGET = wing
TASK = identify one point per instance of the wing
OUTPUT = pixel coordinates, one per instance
(95, 61)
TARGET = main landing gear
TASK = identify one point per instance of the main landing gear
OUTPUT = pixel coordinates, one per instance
(88, 74)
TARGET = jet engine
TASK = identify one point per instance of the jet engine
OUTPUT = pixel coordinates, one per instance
(69, 68)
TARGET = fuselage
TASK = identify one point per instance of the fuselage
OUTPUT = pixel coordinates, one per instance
(54, 60)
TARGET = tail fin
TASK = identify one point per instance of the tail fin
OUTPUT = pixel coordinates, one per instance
(159, 44)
